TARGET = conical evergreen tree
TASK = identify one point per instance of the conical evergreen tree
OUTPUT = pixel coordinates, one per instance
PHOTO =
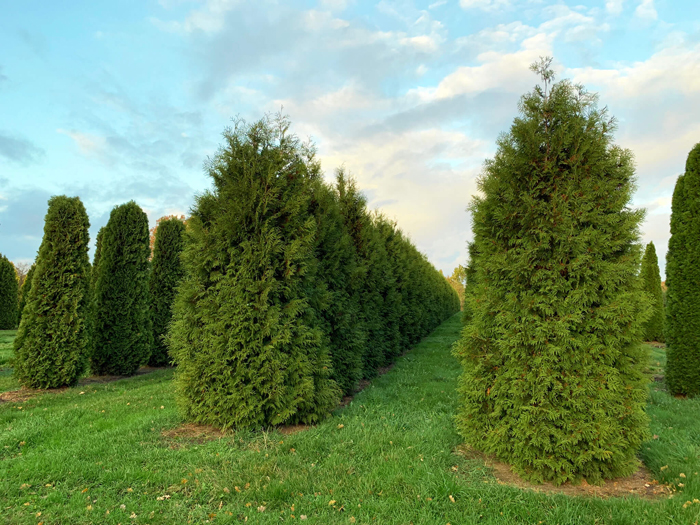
(122, 330)
(372, 261)
(682, 278)
(25, 289)
(248, 347)
(554, 369)
(166, 274)
(53, 338)
(651, 282)
(8, 294)
(336, 305)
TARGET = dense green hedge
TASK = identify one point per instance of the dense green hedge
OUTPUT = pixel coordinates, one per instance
(166, 273)
(651, 281)
(293, 291)
(554, 370)
(122, 336)
(682, 280)
(53, 338)
(9, 289)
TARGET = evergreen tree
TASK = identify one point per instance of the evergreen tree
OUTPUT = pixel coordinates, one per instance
(335, 302)
(122, 325)
(52, 342)
(8, 294)
(166, 273)
(25, 289)
(682, 278)
(651, 279)
(9, 287)
(554, 369)
(249, 348)
(372, 262)
(96, 258)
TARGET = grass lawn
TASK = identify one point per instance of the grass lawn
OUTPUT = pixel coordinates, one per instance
(6, 380)
(98, 454)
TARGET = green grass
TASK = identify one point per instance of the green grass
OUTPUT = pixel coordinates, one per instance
(388, 457)
(7, 382)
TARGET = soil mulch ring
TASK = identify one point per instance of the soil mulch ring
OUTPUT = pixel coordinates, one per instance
(194, 433)
(24, 394)
(641, 483)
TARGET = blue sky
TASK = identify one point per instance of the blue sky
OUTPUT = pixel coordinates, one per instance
(115, 101)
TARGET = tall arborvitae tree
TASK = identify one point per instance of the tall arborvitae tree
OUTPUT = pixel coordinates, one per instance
(248, 347)
(651, 282)
(166, 274)
(53, 338)
(334, 301)
(122, 323)
(25, 289)
(8, 294)
(554, 370)
(682, 280)
(96, 257)
(372, 265)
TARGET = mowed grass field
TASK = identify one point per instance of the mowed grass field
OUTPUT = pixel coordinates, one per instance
(116, 453)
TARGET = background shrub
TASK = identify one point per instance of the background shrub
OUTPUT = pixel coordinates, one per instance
(166, 273)
(651, 282)
(122, 323)
(53, 337)
(8, 295)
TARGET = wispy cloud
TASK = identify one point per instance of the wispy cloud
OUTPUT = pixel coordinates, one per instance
(19, 150)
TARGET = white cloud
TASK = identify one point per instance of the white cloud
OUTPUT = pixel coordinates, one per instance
(88, 145)
(507, 71)
(484, 4)
(614, 7)
(646, 10)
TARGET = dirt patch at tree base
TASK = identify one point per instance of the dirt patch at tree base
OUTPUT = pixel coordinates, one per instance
(641, 483)
(195, 433)
(24, 394)
(288, 430)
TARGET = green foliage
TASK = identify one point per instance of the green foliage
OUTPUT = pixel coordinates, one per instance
(682, 277)
(8, 294)
(166, 273)
(122, 326)
(25, 289)
(554, 373)
(248, 346)
(336, 302)
(293, 291)
(53, 337)
(651, 283)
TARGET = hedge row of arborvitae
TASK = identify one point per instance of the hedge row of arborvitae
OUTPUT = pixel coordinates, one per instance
(554, 366)
(683, 282)
(74, 315)
(293, 290)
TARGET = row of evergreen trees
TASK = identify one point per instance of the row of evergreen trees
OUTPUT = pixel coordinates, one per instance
(293, 290)
(289, 290)
(110, 315)
(554, 375)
